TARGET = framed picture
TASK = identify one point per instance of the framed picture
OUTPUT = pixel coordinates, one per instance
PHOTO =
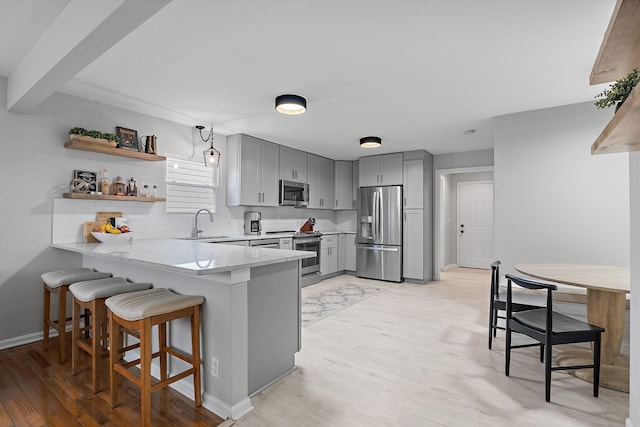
(128, 138)
(83, 181)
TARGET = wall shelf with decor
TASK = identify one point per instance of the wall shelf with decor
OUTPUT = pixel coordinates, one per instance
(105, 149)
(619, 54)
(111, 197)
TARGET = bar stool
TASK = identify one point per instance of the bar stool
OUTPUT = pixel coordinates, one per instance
(58, 282)
(91, 296)
(141, 311)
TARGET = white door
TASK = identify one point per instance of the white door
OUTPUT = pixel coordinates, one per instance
(475, 224)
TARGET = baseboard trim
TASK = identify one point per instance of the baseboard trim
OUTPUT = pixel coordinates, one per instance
(185, 387)
(448, 267)
(22, 340)
(269, 384)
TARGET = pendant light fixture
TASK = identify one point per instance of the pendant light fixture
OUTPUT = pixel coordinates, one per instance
(211, 155)
(291, 104)
(370, 142)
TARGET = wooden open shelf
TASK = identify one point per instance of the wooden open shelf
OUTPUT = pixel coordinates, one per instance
(105, 149)
(622, 133)
(110, 197)
(619, 54)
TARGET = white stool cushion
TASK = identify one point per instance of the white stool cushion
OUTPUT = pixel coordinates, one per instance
(55, 279)
(139, 305)
(103, 288)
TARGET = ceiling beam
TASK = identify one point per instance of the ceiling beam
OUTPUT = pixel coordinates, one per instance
(79, 35)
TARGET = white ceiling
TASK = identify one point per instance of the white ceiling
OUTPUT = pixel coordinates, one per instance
(417, 73)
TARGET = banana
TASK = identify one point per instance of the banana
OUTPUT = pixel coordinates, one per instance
(111, 229)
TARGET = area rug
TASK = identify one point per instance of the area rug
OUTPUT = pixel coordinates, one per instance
(331, 301)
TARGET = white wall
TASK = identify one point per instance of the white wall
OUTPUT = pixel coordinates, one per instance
(463, 160)
(634, 380)
(35, 169)
(554, 201)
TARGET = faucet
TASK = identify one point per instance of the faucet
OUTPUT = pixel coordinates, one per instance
(195, 232)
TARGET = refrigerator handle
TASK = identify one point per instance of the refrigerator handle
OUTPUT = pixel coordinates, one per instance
(376, 216)
(374, 213)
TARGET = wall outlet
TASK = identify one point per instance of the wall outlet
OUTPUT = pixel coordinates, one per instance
(214, 367)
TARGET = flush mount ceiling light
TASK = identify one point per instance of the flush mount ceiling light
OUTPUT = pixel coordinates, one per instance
(291, 104)
(211, 155)
(370, 142)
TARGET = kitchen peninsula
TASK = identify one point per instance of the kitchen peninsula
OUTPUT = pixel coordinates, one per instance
(250, 317)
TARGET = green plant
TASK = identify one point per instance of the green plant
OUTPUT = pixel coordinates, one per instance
(110, 137)
(94, 134)
(78, 131)
(618, 91)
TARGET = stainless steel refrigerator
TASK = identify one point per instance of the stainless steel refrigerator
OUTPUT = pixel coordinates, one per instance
(379, 241)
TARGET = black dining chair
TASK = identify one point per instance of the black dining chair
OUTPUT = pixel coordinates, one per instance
(549, 328)
(498, 302)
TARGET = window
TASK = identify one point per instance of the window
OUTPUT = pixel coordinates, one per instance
(190, 186)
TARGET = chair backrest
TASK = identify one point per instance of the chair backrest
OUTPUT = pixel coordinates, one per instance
(495, 280)
(533, 285)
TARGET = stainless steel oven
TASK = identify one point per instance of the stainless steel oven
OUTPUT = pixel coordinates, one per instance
(310, 268)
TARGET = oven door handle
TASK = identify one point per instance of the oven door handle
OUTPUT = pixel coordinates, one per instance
(305, 241)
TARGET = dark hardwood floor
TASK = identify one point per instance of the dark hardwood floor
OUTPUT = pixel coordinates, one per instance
(35, 390)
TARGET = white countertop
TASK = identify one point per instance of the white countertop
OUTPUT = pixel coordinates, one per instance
(284, 235)
(186, 256)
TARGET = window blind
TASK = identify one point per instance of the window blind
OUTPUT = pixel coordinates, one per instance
(190, 186)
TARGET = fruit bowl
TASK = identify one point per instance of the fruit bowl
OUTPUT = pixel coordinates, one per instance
(108, 237)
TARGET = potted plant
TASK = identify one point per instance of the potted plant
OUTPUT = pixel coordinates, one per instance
(618, 91)
(93, 136)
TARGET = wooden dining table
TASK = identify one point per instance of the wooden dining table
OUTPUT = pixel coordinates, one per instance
(606, 287)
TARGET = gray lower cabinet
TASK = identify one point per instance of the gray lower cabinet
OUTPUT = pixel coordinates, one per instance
(328, 254)
(413, 244)
(350, 252)
(286, 243)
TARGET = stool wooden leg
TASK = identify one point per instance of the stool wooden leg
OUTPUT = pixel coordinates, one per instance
(114, 357)
(62, 323)
(162, 341)
(45, 317)
(75, 336)
(145, 371)
(195, 349)
(96, 337)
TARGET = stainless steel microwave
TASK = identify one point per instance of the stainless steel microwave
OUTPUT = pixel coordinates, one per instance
(294, 194)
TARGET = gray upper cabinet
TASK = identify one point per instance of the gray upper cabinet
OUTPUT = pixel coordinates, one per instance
(385, 169)
(413, 177)
(293, 164)
(355, 186)
(252, 171)
(320, 179)
(343, 185)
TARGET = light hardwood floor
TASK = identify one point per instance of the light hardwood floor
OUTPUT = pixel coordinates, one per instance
(416, 355)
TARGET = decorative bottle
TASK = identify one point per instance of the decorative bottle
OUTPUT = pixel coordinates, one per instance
(119, 187)
(104, 182)
(132, 188)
